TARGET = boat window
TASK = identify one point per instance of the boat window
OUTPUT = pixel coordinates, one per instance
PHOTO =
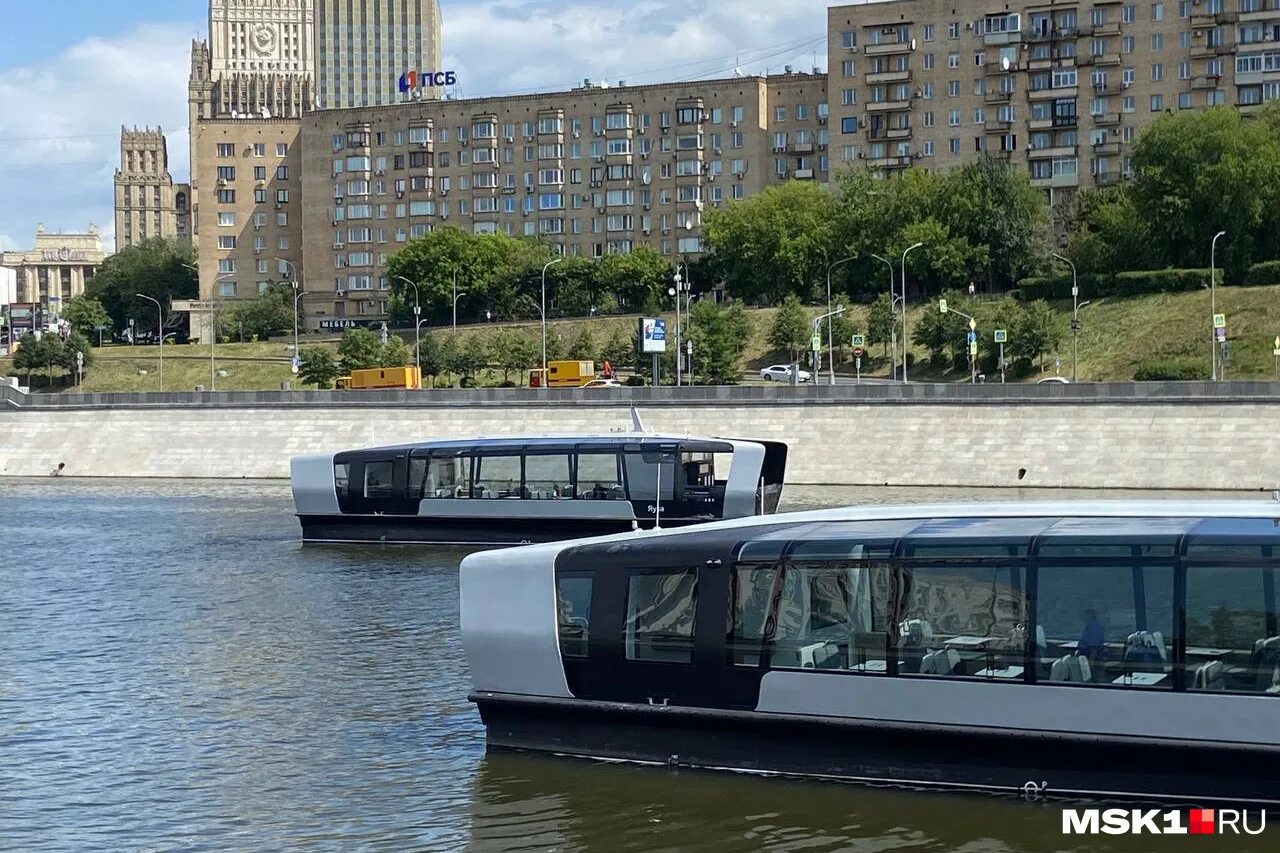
(341, 475)
(649, 471)
(660, 615)
(547, 476)
(1117, 618)
(498, 477)
(446, 474)
(599, 477)
(1232, 643)
(378, 478)
(751, 601)
(963, 621)
(828, 616)
(697, 470)
(573, 594)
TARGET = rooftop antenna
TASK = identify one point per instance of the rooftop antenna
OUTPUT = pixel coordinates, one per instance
(737, 66)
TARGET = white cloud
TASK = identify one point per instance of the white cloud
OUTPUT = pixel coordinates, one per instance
(60, 126)
(533, 45)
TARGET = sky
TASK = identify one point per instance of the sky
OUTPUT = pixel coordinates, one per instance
(73, 71)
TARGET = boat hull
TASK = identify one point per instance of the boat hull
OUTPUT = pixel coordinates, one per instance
(1039, 765)
(426, 530)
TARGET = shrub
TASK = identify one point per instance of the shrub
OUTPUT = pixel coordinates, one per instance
(1267, 272)
(1158, 281)
(1096, 285)
(1170, 370)
(636, 380)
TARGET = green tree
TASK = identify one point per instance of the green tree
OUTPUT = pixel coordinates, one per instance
(556, 346)
(880, 322)
(512, 350)
(396, 352)
(85, 315)
(158, 267)
(318, 367)
(1040, 332)
(777, 243)
(431, 357)
(638, 278)
(1111, 234)
(467, 360)
(583, 346)
(74, 353)
(43, 353)
(268, 314)
(944, 335)
(1198, 173)
(359, 349)
(719, 338)
(619, 350)
(791, 328)
(991, 204)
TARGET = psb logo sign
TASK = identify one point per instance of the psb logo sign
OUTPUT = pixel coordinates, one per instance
(1163, 822)
(411, 80)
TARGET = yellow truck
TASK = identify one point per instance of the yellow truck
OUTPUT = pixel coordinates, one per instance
(381, 378)
(564, 374)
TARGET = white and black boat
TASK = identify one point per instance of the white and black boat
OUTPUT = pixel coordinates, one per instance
(522, 489)
(1116, 650)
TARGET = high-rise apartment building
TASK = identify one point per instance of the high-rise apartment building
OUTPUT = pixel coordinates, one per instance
(595, 170)
(147, 202)
(1059, 88)
(364, 46)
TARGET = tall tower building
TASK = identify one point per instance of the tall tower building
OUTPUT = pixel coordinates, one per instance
(148, 203)
(365, 45)
(262, 57)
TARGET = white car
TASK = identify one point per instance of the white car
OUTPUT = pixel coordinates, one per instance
(782, 373)
(603, 383)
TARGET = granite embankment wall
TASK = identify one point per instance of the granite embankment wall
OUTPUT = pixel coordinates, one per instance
(1175, 436)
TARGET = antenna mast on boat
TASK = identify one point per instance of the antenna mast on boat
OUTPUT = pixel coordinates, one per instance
(636, 424)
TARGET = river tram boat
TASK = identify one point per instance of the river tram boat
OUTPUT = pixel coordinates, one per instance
(523, 489)
(1113, 650)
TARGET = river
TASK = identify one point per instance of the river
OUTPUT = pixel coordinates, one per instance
(178, 673)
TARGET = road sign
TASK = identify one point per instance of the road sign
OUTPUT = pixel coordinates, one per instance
(942, 305)
(858, 352)
(1219, 321)
(972, 337)
(973, 324)
(1001, 336)
(1220, 333)
(297, 363)
(191, 305)
(973, 347)
(815, 343)
(79, 358)
(861, 341)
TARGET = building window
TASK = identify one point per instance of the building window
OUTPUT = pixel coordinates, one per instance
(1157, 41)
(953, 60)
(848, 38)
(1157, 103)
(226, 149)
(226, 242)
(226, 219)
(282, 196)
(849, 124)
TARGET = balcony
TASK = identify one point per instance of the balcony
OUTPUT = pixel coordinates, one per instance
(1110, 28)
(996, 126)
(1054, 34)
(1106, 149)
(901, 162)
(996, 68)
(889, 77)
(1106, 119)
(1207, 51)
(800, 148)
(887, 48)
(888, 133)
(802, 174)
(1205, 81)
(1053, 151)
(1261, 14)
(1008, 37)
(1065, 121)
(888, 106)
(998, 97)
(1056, 181)
(1106, 179)
(1200, 22)
(1105, 59)
(1040, 124)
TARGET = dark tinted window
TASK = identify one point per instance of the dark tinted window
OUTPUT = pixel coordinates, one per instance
(1231, 642)
(660, 616)
(573, 597)
(378, 478)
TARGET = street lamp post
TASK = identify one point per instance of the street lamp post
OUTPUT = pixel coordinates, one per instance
(682, 284)
(456, 297)
(297, 294)
(831, 350)
(893, 354)
(543, 310)
(903, 283)
(1213, 307)
(417, 314)
(159, 331)
(1075, 314)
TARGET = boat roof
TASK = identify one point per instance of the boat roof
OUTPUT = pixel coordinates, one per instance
(1100, 522)
(559, 440)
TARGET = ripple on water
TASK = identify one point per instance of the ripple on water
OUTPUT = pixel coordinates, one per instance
(177, 673)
